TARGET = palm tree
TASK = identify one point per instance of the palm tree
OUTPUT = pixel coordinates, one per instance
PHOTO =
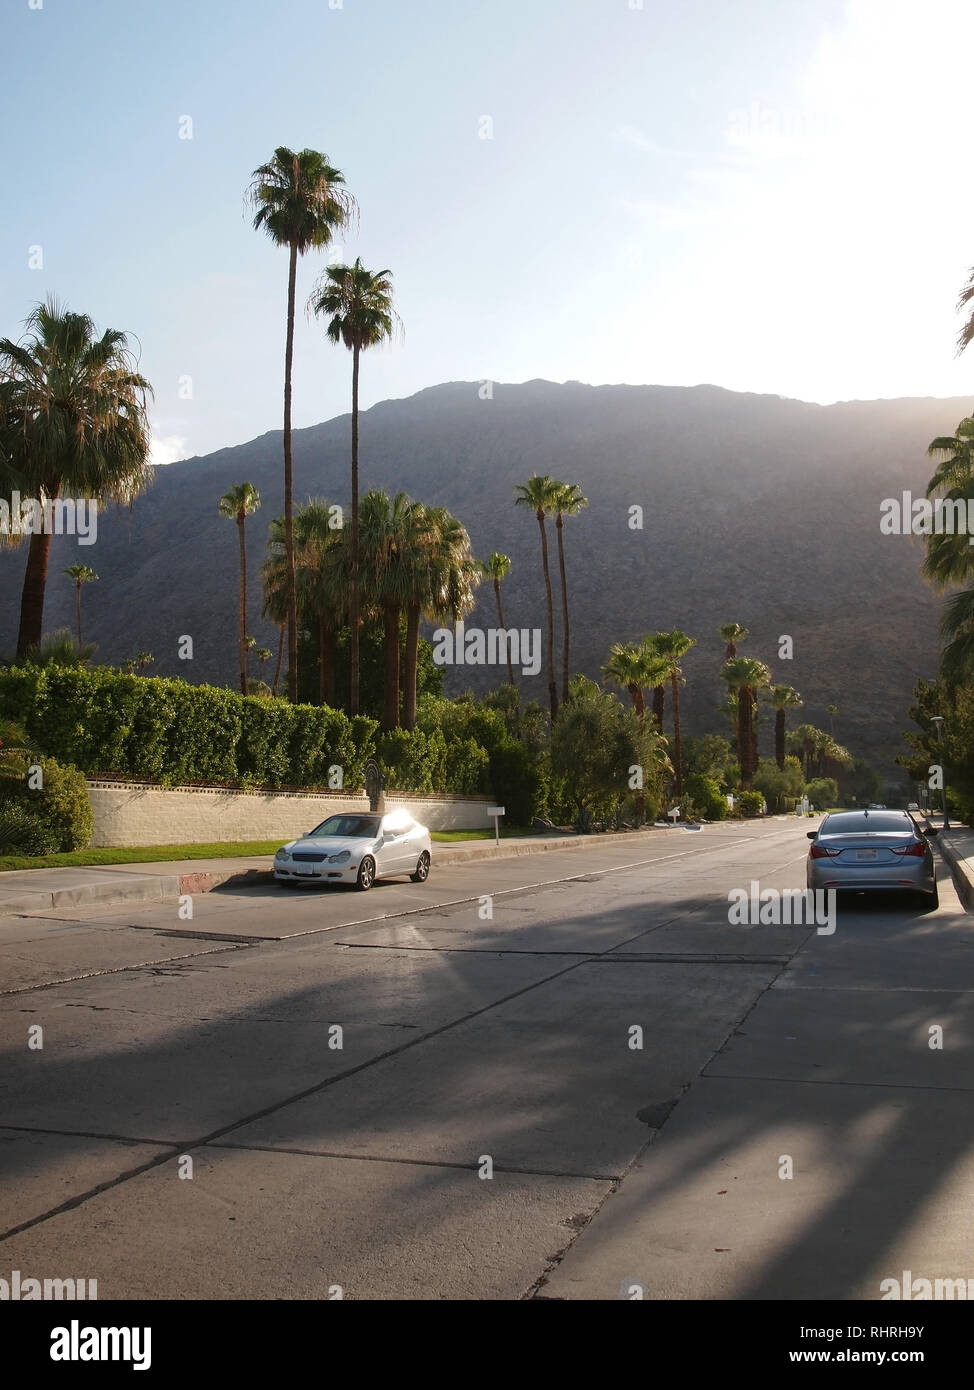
(74, 419)
(388, 530)
(263, 655)
(321, 583)
(568, 502)
(671, 646)
(832, 711)
(81, 574)
(441, 574)
(241, 501)
(804, 741)
(541, 494)
(732, 633)
(745, 677)
(496, 569)
(300, 201)
(632, 667)
(359, 305)
(660, 674)
(782, 698)
(966, 334)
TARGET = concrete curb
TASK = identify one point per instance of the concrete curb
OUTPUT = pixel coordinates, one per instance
(958, 870)
(150, 888)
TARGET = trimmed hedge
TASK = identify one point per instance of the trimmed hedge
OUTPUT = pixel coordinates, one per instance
(167, 731)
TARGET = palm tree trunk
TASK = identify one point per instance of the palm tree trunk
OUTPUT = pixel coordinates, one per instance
(500, 620)
(659, 705)
(77, 604)
(242, 614)
(779, 739)
(32, 594)
(354, 607)
(677, 746)
(292, 612)
(552, 687)
(412, 663)
(326, 662)
(566, 629)
(391, 710)
(280, 658)
(743, 737)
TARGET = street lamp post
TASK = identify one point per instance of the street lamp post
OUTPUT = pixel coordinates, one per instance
(938, 719)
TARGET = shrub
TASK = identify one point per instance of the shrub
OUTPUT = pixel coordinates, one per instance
(61, 803)
(750, 804)
(822, 792)
(705, 796)
(23, 831)
(516, 782)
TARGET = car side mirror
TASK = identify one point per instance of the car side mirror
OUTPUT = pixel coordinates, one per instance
(812, 834)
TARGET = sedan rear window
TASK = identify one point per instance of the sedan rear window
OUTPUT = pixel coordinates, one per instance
(865, 823)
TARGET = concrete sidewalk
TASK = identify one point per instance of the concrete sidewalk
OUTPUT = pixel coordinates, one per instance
(40, 890)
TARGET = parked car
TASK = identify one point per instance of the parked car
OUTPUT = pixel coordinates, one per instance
(865, 851)
(357, 848)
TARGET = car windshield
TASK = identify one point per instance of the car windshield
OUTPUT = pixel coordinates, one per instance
(866, 823)
(348, 827)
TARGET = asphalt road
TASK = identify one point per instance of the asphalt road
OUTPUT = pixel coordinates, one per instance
(437, 1091)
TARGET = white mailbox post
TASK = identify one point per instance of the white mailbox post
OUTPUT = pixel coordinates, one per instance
(496, 812)
(674, 815)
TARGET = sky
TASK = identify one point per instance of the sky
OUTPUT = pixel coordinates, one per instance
(769, 195)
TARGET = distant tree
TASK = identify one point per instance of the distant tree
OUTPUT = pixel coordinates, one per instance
(672, 646)
(241, 501)
(832, 711)
(594, 743)
(300, 200)
(496, 569)
(568, 502)
(81, 574)
(782, 698)
(732, 633)
(746, 677)
(541, 495)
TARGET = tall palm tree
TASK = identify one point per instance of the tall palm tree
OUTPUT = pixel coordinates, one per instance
(732, 633)
(660, 673)
(81, 574)
(626, 668)
(387, 533)
(782, 698)
(568, 502)
(441, 574)
(496, 569)
(300, 200)
(745, 677)
(540, 494)
(672, 646)
(74, 421)
(358, 303)
(241, 501)
(966, 335)
(803, 741)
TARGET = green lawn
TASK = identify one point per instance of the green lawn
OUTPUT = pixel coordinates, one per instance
(147, 854)
(449, 837)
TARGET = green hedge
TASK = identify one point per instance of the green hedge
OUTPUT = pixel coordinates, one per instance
(54, 814)
(167, 731)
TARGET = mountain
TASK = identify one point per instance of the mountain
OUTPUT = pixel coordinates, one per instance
(757, 509)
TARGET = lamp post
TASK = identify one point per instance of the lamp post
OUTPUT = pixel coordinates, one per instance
(938, 719)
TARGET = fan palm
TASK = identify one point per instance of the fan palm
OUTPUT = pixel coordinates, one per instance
(496, 569)
(732, 633)
(541, 495)
(358, 303)
(241, 501)
(782, 699)
(568, 502)
(81, 574)
(746, 677)
(300, 201)
(672, 646)
(74, 422)
(441, 577)
(388, 530)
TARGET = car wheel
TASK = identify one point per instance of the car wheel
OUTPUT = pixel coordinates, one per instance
(422, 872)
(366, 874)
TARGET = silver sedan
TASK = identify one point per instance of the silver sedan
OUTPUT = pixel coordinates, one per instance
(357, 848)
(865, 851)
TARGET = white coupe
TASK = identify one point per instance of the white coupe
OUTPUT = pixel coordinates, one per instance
(357, 848)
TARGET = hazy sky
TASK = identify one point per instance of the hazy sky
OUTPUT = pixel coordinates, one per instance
(772, 195)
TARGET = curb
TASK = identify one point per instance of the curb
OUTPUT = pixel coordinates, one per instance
(956, 863)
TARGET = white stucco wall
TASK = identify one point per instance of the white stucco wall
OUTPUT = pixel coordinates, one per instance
(128, 815)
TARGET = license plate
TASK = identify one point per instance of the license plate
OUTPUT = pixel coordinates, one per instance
(866, 853)
(306, 869)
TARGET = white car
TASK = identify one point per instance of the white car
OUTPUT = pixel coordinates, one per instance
(357, 848)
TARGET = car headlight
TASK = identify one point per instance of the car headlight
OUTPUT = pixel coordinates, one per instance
(342, 858)
(281, 857)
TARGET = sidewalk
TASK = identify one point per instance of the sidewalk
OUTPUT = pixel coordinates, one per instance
(40, 890)
(957, 847)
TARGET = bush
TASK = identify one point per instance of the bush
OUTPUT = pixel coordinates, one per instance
(750, 804)
(23, 831)
(516, 783)
(705, 796)
(60, 802)
(822, 792)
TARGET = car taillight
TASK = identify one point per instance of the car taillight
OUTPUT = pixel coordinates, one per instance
(916, 851)
(820, 852)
